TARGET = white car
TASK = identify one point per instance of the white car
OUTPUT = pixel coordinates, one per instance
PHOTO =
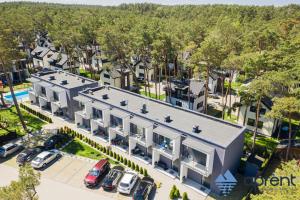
(44, 158)
(9, 149)
(127, 182)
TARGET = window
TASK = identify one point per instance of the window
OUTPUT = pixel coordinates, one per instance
(106, 83)
(262, 110)
(116, 121)
(43, 90)
(106, 76)
(178, 103)
(201, 158)
(251, 122)
(134, 129)
(55, 96)
(199, 105)
(97, 113)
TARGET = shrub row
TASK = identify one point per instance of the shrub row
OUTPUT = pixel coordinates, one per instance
(175, 194)
(105, 150)
(36, 113)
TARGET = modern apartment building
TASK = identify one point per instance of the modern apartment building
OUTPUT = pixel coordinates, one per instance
(187, 94)
(187, 145)
(54, 91)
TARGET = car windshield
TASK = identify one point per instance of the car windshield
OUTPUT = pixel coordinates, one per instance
(94, 172)
(125, 185)
(38, 159)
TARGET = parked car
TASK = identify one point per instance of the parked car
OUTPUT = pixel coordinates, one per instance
(28, 155)
(92, 179)
(162, 165)
(128, 181)
(112, 179)
(44, 158)
(54, 140)
(9, 149)
(144, 189)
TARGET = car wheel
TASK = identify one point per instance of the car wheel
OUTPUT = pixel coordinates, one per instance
(44, 165)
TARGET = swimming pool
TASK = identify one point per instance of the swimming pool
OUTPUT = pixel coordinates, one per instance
(19, 95)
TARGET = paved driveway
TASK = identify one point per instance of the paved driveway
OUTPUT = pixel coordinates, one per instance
(64, 177)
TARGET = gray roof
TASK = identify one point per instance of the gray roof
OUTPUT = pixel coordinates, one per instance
(73, 80)
(40, 51)
(213, 130)
(63, 59)
(196, 144)
(166, 132)
(141, 122)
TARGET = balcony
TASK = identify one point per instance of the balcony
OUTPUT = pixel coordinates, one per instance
(99, 121)
(196, 166)
(83, 114)
(118, 130)
(139, 138)
(163, 149)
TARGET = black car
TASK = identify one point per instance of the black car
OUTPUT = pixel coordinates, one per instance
(28, 154)
(55, 140)
(143, 189)
(112, 179)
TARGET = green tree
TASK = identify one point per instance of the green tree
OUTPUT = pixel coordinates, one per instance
(285, 107)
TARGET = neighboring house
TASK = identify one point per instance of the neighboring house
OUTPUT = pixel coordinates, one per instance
(39, 56)
(141, 69)
(184, 97)
(42, 40)
(112, 76)
(191, 147)
(266, 126)
(18, 73)
(54, 91)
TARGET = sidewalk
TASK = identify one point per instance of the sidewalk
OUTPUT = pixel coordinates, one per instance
(167, 182)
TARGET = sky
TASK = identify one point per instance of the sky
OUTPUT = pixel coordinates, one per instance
(169, 2)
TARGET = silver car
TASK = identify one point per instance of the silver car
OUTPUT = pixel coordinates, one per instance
(9, 149)
(44, 158)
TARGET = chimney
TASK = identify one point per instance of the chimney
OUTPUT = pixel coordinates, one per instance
(196, 129)
(144, 108)
(82, 80)
(64, 82)
(91, 92)
(168, 119)
(124, 102)
(51, 78)
(105, 96)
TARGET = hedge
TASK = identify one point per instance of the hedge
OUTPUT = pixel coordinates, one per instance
(104, 150)
(36, 113)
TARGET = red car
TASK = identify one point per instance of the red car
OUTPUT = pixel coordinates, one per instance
(92, 179)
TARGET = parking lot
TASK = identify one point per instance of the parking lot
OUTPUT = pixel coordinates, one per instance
(70, 171)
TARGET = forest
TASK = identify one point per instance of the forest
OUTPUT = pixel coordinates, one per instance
(261, 44)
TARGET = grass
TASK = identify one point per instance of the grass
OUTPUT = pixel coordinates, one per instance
(10, 115)
(152, 95)
(20, 86)
(79, 148)
(261, 142)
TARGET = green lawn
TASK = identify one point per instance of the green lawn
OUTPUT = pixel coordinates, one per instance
(152, 95)
(79, 148)
(261, 142)
(10, 115)
(19, 86)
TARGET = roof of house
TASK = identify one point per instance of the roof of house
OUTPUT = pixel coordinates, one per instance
(73, 80)
(114, 72)
(40, 51)
(195, 85)
(212, 130)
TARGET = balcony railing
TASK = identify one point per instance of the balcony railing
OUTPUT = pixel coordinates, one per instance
(138, 137)
(197, 166)
(83, 114)
(163, 149)
(118, 130)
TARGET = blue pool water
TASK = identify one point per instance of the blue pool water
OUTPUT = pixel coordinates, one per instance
(19, 95)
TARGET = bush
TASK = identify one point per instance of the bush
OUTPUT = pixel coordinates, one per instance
(172, 192)
(129, 163)
(145, 172)
(125, 161)
(111, 154)
(141, 171)
(185, 196)
(133, 166)
(121, 160)
(118, 157)
(177, 193)
(137, 168)
(115, 155)
(104, 150)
